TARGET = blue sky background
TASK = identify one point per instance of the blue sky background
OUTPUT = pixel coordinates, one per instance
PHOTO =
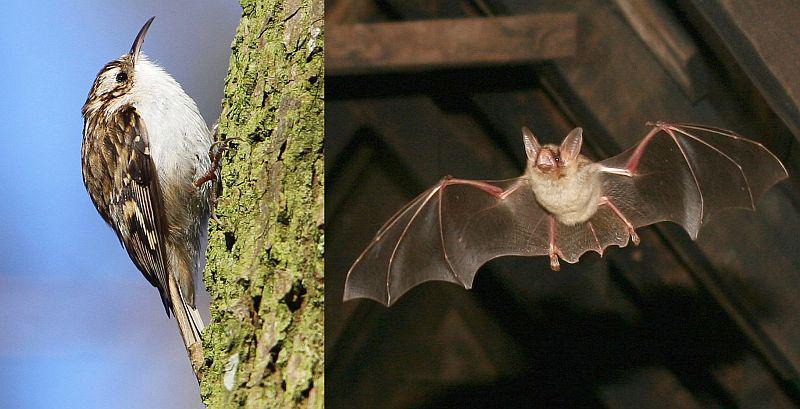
(79, 326)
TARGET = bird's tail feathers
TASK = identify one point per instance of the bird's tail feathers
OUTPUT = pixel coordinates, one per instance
(189, 322)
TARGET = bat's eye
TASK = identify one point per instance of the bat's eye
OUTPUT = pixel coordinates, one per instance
(122, 76)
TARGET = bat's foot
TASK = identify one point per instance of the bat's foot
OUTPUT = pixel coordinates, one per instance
(554, 265)
(631, 230)
(553, 248)
(634, 236)
(658, 124)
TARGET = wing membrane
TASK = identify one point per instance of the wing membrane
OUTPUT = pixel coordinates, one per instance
(680, 173)
(446, 234)
(688, 173)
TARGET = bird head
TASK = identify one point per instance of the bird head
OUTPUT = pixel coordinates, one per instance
(116, 79)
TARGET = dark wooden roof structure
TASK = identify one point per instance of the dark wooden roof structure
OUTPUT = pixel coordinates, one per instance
(423, 88)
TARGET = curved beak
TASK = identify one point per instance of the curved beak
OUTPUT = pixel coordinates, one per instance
(137, 43)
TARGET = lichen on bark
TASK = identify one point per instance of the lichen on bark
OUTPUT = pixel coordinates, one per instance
(264, 345)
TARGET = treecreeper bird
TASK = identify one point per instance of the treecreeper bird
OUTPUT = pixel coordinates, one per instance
(145, 161)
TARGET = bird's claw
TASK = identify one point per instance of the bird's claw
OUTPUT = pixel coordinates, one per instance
(215, 154)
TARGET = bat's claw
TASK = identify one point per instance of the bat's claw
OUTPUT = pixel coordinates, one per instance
(659, 124)
(553, 248)
(631, 230)
(634, 237)
(554, 265)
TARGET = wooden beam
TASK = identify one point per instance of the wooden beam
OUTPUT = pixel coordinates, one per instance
(670, 44)
(762, 37)
(447, 43)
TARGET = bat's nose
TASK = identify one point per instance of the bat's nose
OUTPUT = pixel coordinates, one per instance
(545, 167)
(546, 161)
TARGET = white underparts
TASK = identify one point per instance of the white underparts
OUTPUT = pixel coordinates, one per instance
(179, 142)
(570, 194)
(179, 137)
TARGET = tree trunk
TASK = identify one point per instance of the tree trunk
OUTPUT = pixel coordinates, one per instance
(264, 345)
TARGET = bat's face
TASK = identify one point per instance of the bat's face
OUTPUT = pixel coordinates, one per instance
(552, 159)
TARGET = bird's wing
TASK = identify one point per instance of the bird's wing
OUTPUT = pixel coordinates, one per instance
(136, 208)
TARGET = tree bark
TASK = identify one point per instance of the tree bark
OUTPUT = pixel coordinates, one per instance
(264, 345)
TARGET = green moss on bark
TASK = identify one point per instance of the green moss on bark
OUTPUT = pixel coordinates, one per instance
(264, 346)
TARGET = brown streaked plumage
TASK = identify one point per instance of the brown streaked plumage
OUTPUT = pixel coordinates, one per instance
(122, 182)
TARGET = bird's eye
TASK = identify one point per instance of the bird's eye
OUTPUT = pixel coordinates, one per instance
(122, 76)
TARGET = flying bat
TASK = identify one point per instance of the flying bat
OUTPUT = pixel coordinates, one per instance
(562, 206)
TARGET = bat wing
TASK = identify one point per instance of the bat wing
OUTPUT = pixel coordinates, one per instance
(680, 173)
(136, 205)
(685, 174)
(446, 234)
(604, 229)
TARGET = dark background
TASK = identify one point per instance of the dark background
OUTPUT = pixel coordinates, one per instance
(671, 323)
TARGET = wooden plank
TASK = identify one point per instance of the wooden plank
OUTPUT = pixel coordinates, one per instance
(646, 386)
(669, 42)
(758, 389)
(762, 37)
(348, 11)
(430, 44)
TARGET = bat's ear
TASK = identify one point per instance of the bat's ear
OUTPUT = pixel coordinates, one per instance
(571, 146)
(531, 144)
